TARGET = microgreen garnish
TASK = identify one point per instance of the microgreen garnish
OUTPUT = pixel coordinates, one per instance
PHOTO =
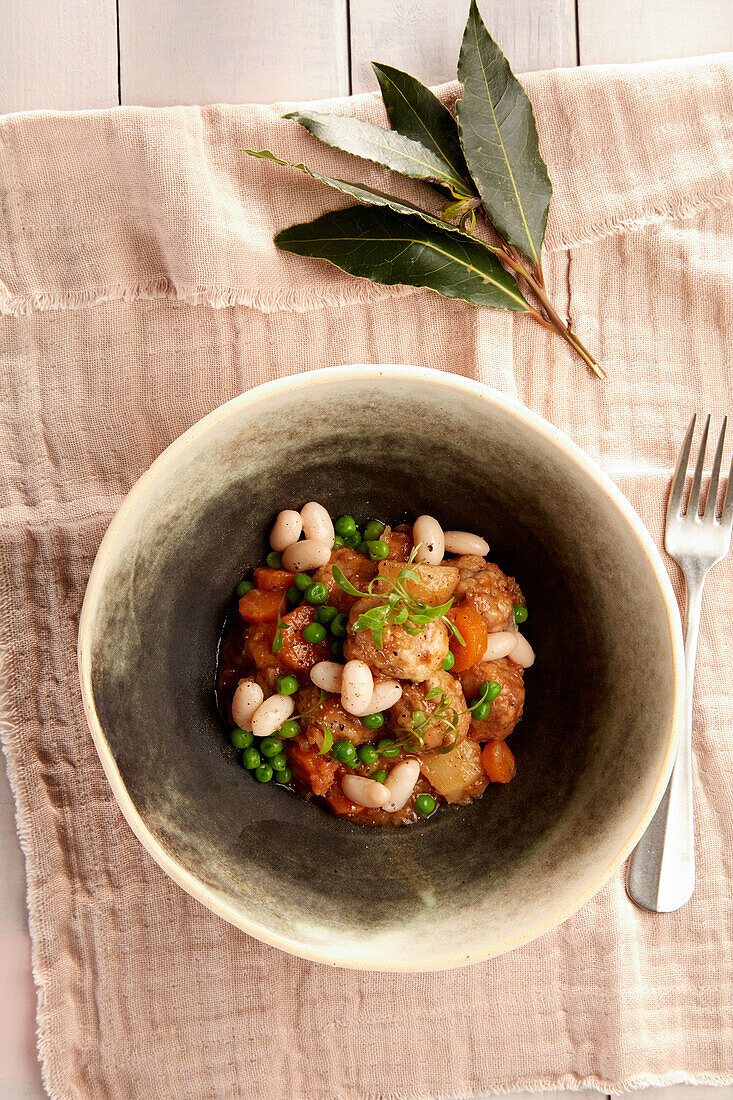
(278, 641)
(397, 607)
(327, 739)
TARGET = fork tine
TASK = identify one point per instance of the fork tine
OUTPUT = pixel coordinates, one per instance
(711, 504)
(694, 502)
(680, 473)
(726, 519)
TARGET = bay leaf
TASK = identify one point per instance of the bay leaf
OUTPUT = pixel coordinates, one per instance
(370, 142)
(499, 138)
(358, 191)
(393, 248)
(417, 113)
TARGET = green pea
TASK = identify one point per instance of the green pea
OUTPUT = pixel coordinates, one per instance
(303, 581)
(316, 593)
(425, 803)
(283, 776)
(314, 633)
(345, 525)
(241, 739)
(493, 690)
(377, 549)
(264, 773)
(251, 759)
(520, 613)
(279, 762)
(480, 711)
(338, 543)
(271, 746)
(345, 753)
(373, 721)
(373, 530)
(379, 776)
(368, 754)
(286, 685)
(363, 548)
(293, 594)
(388, 748)
(339, 624)
(352, 541)
(289, 728)
(337, 649)
(448, 662)
(326, 614)
(243, 588)
(274, 560)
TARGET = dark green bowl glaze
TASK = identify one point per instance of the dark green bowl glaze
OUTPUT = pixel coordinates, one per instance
(593, 750)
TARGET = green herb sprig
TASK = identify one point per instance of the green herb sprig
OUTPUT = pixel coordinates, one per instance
(485, 162)
(278, 641)
(397, 607)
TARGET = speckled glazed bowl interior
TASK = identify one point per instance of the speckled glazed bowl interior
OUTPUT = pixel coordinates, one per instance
(592, 759)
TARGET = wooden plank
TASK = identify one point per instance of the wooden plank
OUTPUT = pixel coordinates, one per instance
(424, 36)
(223, 51)
(628, 30)
(58, 56)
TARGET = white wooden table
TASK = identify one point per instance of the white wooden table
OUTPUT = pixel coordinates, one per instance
(101, 53)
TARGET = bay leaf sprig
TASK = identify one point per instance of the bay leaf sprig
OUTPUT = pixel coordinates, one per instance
(486, 165)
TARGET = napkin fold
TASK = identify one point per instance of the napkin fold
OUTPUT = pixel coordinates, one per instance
(139, 289)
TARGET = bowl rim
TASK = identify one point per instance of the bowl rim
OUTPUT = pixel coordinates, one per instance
(510, 405)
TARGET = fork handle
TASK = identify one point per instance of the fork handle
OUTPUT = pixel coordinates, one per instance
(661, 872)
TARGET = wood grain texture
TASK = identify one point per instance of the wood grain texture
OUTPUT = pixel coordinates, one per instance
(424, 36)
(58, 55)
(225, 51)
(646, 30)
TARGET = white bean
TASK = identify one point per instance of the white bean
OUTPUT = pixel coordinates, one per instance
(522, 653)
(401, 783)
(428, 537)
(286, 530)
(499, 645)
(327, 675)
(305, 555)
(357, 685)
(271, 714)
(386, 693)
(463, 542)
(364, 792)
(247, 698)
(317, 524)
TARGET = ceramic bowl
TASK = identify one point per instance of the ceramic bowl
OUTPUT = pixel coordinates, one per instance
(594, 748)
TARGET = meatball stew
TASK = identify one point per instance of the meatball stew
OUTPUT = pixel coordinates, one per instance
(378, 672)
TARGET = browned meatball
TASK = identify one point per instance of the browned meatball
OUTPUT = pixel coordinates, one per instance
(451, 702)
(490, 591)
(401, 655)
(506, 709)
(329, 713)
(355, 567)
(258, 646)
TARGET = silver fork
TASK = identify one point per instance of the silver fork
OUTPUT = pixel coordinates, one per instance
(661, 873)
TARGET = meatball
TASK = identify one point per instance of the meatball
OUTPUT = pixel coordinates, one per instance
(355, 567)
(258, 646)
(450, 701)
(329, 713)
(402, 655)
(490, 591)
(506, 709)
